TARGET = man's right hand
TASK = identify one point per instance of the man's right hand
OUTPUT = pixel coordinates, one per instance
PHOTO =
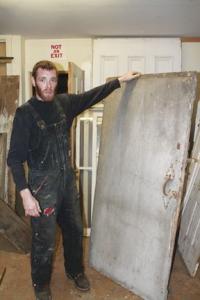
(30, 204)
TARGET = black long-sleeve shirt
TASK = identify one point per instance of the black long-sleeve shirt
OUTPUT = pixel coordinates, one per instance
(25, 127)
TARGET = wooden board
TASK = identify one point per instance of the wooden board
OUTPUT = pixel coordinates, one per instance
(9, 98)
(14, 230)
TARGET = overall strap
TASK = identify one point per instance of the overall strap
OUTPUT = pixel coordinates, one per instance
(60, 110)
(40, 123)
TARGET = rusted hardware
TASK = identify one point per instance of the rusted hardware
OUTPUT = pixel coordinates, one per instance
(169, 177)
(192, 160)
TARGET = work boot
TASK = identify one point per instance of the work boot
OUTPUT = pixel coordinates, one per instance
(43, 293)
(81, 281)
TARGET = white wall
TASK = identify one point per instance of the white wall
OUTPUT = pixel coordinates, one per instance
(78, 51)
(27, 52)
(191, 56)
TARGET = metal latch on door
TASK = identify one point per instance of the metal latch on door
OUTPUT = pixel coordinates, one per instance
(169, 177)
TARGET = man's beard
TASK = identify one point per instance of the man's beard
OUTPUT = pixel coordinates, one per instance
(46, 95)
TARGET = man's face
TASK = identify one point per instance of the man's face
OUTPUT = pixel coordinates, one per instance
(45, 84)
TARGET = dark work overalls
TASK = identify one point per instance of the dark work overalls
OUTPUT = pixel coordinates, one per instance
(52, 183)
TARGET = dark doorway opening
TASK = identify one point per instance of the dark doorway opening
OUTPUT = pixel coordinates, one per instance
(62, 86)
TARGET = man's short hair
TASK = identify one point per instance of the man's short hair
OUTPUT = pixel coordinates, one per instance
(43, 64)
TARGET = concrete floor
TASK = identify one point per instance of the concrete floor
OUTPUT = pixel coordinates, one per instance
(16, 284)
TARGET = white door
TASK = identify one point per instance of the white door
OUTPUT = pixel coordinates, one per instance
(140, 177)
(88, 132)
(113, 57)
(75, 86)
(189, 236)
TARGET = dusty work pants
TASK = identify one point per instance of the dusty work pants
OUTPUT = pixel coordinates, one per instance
(59, 201)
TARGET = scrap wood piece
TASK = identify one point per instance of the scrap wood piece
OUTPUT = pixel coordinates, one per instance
(2, 275)
(14, 229)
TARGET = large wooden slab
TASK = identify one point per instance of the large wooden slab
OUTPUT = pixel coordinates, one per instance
(9, 99)
(13, 230)
(140, 179)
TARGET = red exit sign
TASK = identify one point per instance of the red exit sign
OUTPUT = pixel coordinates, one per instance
(56, 51)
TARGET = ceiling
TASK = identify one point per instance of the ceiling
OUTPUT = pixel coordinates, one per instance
(100, 18)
